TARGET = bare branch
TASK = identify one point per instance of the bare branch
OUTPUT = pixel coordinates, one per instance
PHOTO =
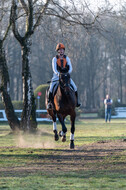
(35, 1)
(13, 20)
(24, 5)
(41, 14)
(29, 27)
(72, 18)
(6, 33)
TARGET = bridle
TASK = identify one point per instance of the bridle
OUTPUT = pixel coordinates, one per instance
(64, 80)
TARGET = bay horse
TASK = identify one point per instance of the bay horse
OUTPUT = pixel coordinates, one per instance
(64, 105)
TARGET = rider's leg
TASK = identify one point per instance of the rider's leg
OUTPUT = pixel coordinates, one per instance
(50, 100)
(76, 93)
(50, 95)
(78, 103)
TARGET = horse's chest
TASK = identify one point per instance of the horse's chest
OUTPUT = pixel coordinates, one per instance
(62, 105)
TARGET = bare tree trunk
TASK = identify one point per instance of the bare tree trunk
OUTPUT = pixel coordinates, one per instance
(92, 93)
(28, 120)
(120, 77)
(12, 118)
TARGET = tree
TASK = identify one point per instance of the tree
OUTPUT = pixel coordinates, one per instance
(28, 120)
(5, 81)
(62, 18)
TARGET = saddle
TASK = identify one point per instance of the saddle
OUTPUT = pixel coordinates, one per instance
(55, 89)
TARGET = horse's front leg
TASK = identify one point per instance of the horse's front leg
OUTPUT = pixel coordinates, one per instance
(64, 129)
(72, 118)
(56, 137)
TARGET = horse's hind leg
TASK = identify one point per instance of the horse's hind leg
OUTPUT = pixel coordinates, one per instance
(72, 118)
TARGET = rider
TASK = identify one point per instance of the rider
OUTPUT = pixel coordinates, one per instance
(59, 62)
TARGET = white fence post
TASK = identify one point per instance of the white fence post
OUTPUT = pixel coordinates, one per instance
(38, 113)
(120, 113)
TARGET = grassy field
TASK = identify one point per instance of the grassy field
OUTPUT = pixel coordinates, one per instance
(36, 161)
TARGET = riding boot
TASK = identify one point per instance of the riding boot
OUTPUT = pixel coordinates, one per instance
(50, 100)
(78, 104)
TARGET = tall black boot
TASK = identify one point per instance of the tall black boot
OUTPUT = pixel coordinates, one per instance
(50, 100)
(78, 104)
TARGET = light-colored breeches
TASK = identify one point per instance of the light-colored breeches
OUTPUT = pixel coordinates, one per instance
(56, 80)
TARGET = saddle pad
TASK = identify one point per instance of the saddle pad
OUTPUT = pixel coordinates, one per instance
(55, 89)
(72, 88)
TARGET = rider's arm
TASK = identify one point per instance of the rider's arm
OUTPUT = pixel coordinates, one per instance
(69, 63)
(54, 66)
(105, 101)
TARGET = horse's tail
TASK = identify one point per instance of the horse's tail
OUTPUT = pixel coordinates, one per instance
(46, 96)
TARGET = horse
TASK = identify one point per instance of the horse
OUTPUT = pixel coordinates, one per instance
(64, 104)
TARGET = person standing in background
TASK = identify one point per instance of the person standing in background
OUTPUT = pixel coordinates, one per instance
(108, 108)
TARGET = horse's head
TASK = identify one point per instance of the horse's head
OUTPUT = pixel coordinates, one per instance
(64, 81)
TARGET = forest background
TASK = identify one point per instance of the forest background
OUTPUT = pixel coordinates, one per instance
(97, 51)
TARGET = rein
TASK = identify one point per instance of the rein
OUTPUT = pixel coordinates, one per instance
(62, 85)
(52, 81)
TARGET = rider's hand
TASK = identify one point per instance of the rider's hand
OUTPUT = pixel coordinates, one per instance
(64, 70)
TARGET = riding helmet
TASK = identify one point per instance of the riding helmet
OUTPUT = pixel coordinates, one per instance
(60, 46)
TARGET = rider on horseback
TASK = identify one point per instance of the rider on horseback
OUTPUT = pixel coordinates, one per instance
(60, 63)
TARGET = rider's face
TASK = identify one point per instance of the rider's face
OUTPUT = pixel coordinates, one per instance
(107, 96)
(61, 52)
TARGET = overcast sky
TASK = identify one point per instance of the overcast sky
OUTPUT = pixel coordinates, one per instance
(101, 3)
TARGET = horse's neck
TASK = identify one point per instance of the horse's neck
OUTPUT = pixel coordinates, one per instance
(61, 91)
(65, 99)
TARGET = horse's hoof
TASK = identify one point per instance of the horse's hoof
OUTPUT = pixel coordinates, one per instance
(56, 137)
(71, 144)
(63, 138)
(60, 134)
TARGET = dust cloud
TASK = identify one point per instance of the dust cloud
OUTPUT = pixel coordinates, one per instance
(42, 139)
